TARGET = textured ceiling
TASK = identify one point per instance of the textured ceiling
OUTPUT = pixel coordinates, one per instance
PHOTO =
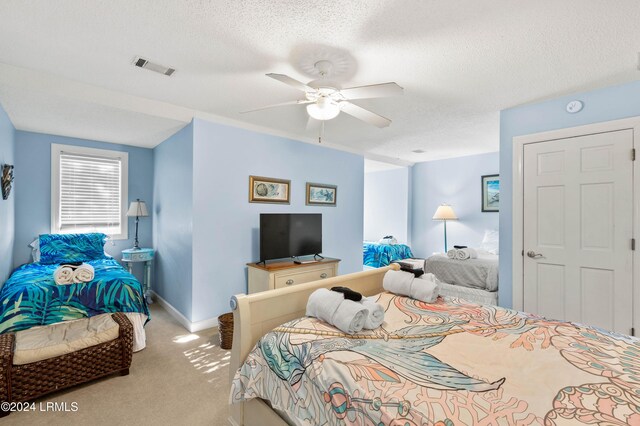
(67, 65)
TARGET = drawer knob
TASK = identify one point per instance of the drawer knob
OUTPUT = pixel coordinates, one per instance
(289, 282)
(323, 275)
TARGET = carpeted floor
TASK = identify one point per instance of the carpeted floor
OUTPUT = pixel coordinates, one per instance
(180, 378)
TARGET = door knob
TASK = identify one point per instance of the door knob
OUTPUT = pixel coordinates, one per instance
(532, 254)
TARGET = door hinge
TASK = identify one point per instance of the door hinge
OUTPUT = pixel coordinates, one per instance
(633, 331)
(633, 244)
(522, 253)
(633, 154)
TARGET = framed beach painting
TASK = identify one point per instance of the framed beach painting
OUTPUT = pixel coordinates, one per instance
(319, 194)
(490, 193)
(268, 190)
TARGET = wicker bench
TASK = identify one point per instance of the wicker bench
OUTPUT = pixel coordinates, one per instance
(19, 383)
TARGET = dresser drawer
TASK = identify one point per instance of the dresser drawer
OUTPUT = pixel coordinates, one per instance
(285, 280)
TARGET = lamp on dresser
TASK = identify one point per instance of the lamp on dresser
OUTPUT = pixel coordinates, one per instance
(445, 213)
(138, 209)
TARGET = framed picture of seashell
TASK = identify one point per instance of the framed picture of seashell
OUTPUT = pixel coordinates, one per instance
(6, 180)
(268, 190)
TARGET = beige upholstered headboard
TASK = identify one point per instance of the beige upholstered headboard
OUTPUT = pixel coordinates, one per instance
(256, 314)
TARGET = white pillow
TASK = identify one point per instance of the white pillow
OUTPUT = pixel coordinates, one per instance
(35, 249)
(491, 241)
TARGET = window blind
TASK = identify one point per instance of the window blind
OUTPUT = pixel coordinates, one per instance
(90, 193)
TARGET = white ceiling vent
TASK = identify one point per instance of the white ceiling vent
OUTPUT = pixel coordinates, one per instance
(146, 64)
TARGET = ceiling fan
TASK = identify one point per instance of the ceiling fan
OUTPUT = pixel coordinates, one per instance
(325, 99)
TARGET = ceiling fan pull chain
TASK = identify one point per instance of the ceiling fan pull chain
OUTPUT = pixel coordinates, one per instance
(321, 132)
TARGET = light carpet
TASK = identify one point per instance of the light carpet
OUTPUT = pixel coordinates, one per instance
(180, 378)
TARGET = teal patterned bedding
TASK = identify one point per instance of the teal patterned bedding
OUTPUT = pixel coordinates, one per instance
(379, 255)
(31, 297)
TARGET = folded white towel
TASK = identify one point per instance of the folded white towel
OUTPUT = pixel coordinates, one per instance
(63, 275)
(451, 254)
(466, 253)
(388, 241)
(376, 313)
(426, 288)
(405, 284)
(83, 273)
(398, 282)
(333, 308)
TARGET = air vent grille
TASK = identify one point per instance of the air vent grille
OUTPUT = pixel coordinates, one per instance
(146, 64)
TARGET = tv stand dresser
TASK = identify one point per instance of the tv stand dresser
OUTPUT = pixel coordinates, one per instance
(286, 273)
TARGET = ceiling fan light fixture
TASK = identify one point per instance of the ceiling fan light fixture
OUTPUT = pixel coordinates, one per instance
(323, 109)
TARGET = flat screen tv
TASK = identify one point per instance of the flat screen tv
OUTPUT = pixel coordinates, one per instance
(289, 235)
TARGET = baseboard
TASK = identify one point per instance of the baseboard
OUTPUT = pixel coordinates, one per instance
(184, 321)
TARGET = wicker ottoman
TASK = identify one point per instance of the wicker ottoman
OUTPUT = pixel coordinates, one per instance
(24, 382)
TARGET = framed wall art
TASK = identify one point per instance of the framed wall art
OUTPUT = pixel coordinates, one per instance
(6, 180)
(319, 194)
(268, 190)
(490, 193)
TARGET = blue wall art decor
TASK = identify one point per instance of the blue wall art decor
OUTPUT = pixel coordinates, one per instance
(491, 193)
(319, 194)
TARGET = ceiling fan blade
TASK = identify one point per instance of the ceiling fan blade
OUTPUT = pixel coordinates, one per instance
(364, 114)
(382, 90)
(291, 82)
(298, 102)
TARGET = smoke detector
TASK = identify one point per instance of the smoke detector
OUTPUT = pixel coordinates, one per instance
(151, 66)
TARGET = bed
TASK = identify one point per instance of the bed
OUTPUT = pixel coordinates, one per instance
(376, 255)
(429, 364)
(31, 298)
(475, 280)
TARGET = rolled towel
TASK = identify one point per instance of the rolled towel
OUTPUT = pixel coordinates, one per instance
(376, 313)
(83, 273)
(63, 275)
(398, 282)
(331, 307)
(451, 254)
(426, 288)
(466, 253)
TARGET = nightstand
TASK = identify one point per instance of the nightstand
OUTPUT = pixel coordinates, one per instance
(130, 256)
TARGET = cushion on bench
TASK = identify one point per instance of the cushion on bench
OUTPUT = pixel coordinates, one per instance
(39, 343)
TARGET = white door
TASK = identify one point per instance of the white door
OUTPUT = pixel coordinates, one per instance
(578, 212)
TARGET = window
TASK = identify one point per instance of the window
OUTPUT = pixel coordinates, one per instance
(88, 190)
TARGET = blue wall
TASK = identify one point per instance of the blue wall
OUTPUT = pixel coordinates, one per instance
(172, 222)
(226, 225)
(386, 205)
(454, 181)
(7, 207)
(607, 104)
(33, 190)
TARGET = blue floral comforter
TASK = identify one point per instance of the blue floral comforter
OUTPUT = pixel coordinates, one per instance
(379, 255)
(31, 297)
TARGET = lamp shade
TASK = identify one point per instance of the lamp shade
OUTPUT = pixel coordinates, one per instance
(445, 212)
(138, 208)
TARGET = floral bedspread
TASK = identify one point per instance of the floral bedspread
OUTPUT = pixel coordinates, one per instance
(447, 363)
(30, 297)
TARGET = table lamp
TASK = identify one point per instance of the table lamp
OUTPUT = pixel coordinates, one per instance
(138, 209)
(445, 213)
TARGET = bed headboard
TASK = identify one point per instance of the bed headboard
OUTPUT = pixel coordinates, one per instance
(256, 314)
